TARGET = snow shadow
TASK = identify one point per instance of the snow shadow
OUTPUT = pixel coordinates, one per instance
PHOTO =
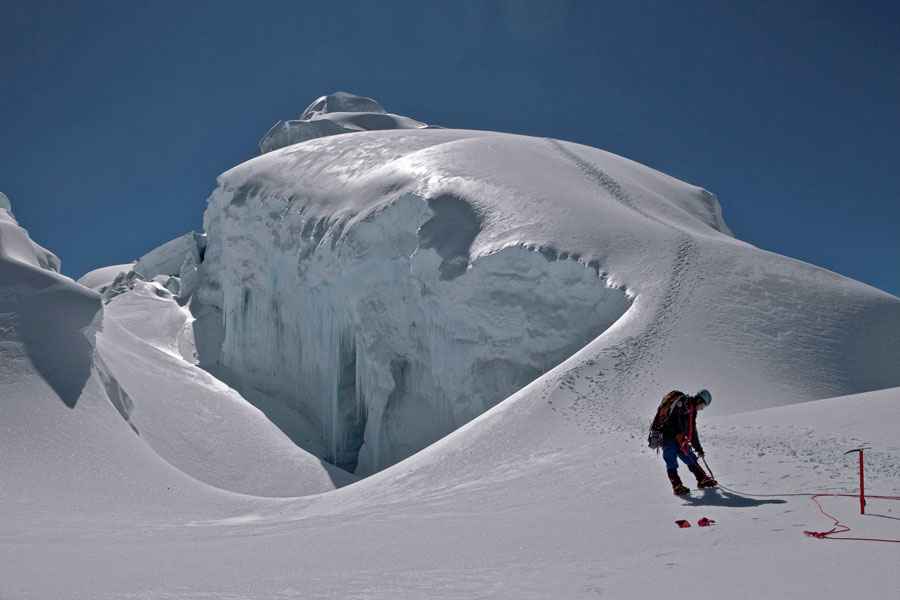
(50, 314)
(451, 232)
(883, 516)
(719, 497)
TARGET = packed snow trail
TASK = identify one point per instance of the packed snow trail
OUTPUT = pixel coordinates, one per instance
(643, 349)
(601, 178)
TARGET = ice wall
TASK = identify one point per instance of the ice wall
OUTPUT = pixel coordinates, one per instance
(383, 334)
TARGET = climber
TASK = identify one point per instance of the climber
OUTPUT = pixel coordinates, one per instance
(674, 431)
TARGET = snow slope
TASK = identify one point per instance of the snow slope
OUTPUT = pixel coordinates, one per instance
(130, 472)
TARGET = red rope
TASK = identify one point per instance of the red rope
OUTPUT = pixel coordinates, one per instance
(822, 535)
(826, 535)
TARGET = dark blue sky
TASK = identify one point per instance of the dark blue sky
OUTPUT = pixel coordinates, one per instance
(116, 117)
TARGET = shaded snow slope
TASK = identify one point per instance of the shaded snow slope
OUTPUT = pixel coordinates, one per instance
(78, 415)
(43, 315)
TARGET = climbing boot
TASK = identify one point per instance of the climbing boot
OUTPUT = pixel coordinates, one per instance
(679, 488)
(703, 480)
(699, 473)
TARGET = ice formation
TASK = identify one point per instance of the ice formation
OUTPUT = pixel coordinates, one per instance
(332, 115)
(175, 266)
(341, 102)
(171, 257)
(104, 276)
(179, 258)
(383, 335)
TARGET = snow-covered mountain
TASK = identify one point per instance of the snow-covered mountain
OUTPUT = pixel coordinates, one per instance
(484, 321)
(390, 287)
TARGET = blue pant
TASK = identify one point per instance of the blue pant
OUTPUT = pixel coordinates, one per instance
(672, 452)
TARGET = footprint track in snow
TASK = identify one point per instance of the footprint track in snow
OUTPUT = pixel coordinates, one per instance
(644, 348)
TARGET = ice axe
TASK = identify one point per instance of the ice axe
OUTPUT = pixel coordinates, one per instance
(687, 452)
(862, 490)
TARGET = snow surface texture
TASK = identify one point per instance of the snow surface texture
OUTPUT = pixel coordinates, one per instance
(127, 471)
(332, 115)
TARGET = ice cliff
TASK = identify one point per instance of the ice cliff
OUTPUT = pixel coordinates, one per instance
(375, 291)
(381, 334)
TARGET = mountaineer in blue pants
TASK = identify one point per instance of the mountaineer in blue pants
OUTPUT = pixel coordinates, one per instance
(674, 431)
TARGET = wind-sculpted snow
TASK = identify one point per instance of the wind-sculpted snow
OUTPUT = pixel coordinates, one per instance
(334, 114)
(15, 245)
(341, 102)
(41, 315)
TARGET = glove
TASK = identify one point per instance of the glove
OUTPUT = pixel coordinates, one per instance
(701, 453)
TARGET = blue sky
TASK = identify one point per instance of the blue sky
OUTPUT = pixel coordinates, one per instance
(116, 117)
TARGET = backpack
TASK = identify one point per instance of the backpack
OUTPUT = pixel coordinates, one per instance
(661, 419)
